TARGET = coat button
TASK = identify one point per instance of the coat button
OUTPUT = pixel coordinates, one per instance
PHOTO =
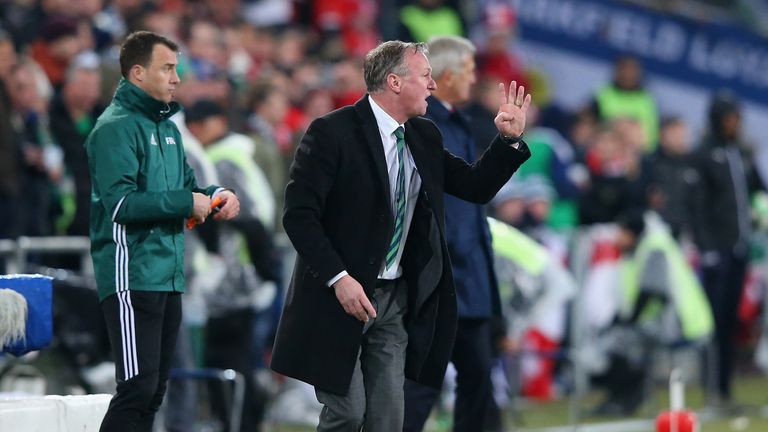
(371, 261)
(381, 217)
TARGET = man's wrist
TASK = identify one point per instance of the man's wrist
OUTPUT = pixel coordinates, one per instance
(512, 140)
(222, 189)
(336, 278)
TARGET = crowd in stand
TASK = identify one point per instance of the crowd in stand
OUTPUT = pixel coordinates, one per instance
(254, 74)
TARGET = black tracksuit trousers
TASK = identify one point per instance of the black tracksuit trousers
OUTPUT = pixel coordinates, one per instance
(142, 327)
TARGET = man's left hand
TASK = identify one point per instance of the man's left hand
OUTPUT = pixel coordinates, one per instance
(230, 206)
(510, 120)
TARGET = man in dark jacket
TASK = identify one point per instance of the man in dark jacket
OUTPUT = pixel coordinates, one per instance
(469, 244)
(672, 178)
(372, 297)
(73, 113)
(143, 189)
(722, 224)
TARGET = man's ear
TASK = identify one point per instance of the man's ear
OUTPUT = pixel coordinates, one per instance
(138, 72)
(394, 82)
(446, 78)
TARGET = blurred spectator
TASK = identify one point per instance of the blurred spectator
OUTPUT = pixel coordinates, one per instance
(119, 17)
(10, 156)
(662, 303)
(249, 285)
(316, 103)
(348, 25)
(204, 74)
(290, 50)
(673, 179)
(25, 19)
(59, 42)
(482, 110)
(272, 147)
(726, 169)
(73, 113)
(582, 132)
(268, 13)
(361, 35)
(535, 287)
(204, 272)
(607, 195)
(496, 59)
(539, 196)
(42, 167)
(424, 19)
(93, 35)
(556, 166)
(348, 84)
(626, 97)
(509, 203)
(162, 22)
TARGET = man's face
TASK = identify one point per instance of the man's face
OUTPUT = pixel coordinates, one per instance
(417, 85)
(159, 79)
(625, 240)
(463, 80)
(628, 73)
(83, 89)
(7, 57)
(65, 48)
(674, 138)
(24, 91)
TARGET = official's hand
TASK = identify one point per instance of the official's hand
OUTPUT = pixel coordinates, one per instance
(510, 120)
(230, 206)
(352, 297)
(201, 207)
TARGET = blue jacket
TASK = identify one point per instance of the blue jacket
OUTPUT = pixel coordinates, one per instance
(466, 230)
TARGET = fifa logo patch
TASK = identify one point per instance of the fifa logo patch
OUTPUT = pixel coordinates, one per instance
(170, 141)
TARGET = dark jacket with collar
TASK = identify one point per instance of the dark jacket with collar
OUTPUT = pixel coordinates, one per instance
(727, 177)
(337, 215)
(466, 229)
(71, 140)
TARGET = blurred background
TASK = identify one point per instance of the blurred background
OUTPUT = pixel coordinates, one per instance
(652, 107)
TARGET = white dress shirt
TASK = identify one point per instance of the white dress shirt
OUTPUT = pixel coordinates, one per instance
(387, 126)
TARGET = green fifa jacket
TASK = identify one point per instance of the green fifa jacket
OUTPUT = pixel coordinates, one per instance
(141, 194)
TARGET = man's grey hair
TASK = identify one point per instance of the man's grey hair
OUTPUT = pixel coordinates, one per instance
(448, 53)
(388, 57)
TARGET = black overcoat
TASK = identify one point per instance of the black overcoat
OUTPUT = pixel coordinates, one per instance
(338, 216)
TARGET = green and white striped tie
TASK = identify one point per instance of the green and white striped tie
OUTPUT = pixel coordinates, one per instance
(394, 245)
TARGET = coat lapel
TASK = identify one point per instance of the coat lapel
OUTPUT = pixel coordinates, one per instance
(414, 143)
(370, 130)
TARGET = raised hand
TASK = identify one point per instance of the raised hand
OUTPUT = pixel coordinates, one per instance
(510, 120)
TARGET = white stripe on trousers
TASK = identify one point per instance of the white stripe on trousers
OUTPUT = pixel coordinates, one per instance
(127, 323)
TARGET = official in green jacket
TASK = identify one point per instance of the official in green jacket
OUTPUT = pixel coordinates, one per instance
(142, 192)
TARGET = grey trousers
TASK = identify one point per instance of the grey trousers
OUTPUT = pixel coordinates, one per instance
(375, 401)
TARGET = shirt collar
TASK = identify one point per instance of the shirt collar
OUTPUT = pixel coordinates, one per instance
(386, 123)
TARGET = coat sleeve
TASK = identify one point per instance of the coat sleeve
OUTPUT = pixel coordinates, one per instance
(114, 156)
(312, 176)
(480, 181)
